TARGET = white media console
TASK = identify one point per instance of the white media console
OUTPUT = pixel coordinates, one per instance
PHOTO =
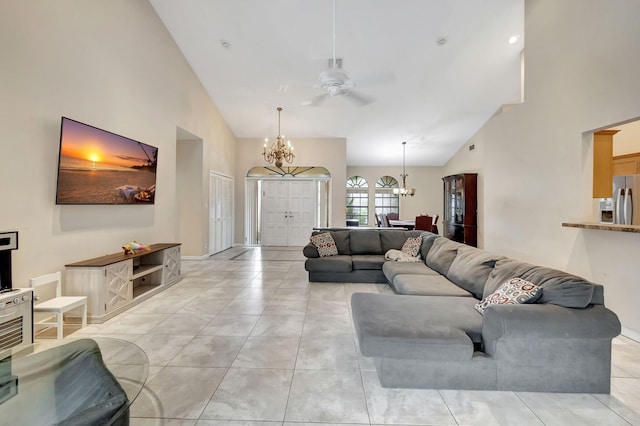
(116, 282)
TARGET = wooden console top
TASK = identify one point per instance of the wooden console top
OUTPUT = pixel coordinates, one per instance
(98, 262)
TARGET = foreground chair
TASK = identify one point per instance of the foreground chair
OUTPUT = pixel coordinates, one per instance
(57, 305)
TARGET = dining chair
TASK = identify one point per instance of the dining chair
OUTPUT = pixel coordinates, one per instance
(385, 221)
(57, 305)
(435, 223)
(378, 221)
(393, 216)
(424, 223)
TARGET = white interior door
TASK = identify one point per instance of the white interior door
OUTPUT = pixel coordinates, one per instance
(302, 203)
(220, 213)
(275, 205)
(288, 212)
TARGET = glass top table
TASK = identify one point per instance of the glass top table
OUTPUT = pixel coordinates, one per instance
(83, 381)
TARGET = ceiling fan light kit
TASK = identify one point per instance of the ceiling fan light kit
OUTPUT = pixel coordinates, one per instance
(335, 81)
(278, 150)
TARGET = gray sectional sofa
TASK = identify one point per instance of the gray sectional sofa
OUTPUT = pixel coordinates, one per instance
(429, 335)
(360, 255)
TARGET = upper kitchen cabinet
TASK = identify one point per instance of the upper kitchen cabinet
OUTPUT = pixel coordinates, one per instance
(603, 163)
(628, 164)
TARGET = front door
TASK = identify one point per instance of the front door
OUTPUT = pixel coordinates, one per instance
(288, 212)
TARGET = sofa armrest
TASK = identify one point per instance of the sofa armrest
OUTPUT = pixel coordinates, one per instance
(310, 251)
(547, 321)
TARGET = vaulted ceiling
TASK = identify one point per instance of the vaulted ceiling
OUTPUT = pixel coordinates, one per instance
(432, 72)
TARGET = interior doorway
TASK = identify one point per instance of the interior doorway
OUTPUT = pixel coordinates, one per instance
(283, 205)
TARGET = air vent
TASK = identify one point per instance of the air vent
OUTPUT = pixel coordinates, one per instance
(11, 333)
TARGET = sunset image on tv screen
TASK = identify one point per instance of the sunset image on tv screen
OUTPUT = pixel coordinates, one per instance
(100, 167)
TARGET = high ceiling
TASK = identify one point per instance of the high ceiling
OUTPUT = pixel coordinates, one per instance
(434, 96)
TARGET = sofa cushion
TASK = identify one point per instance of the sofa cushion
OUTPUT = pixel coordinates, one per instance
(412, 246)
(471, 268)
(338, 263)
(558, 288)
(365, 242)
(427, 242)
(394, 239)
(392, 269)
(325, 244)
(515, 291)
(409, 327)
(342, 241)
(367, 261)
(441, 254)
(427, 285)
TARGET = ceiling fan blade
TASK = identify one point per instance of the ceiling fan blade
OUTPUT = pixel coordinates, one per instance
(316, 101)
(357, 97)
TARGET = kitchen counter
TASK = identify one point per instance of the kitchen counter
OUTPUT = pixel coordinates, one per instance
(603, 226)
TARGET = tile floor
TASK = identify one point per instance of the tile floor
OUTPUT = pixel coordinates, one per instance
(245, 339)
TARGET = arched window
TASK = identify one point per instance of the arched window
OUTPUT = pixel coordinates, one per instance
(386, 201)
(358, 199)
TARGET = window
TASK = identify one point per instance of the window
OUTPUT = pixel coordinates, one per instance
(358, 199)
(386, 201)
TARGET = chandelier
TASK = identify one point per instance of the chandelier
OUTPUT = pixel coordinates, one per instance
(278, 151)
(404, 191)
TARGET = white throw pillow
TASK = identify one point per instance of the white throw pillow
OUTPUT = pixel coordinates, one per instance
(513, 292)
(325, 244)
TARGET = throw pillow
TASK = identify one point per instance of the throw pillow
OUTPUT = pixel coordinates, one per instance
(412, 246)
(513, 292)
(325, 244)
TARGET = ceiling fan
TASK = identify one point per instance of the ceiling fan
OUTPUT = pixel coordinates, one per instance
(335, 81)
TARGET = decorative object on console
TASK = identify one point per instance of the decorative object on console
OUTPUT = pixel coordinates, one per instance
(99, 167)
(404, 191)
(278, 151)
(513, 292)
(135, 247)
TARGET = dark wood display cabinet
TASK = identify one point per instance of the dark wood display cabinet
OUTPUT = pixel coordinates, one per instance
(460, 208)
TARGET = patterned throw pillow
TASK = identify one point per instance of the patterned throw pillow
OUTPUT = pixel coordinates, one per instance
(325, 244)
(513, 292)
(412, 246)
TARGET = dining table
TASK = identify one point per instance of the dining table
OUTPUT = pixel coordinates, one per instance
(409, 224)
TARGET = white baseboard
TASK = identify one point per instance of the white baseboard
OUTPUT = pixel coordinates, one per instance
(631, 334)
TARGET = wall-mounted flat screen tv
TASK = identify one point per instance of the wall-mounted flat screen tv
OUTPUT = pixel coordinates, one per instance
(99, 167)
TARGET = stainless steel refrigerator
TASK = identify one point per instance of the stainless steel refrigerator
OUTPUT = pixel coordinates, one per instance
(626, 199)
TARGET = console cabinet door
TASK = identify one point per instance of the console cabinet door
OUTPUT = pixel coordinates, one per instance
(118, 286)
(171, 270)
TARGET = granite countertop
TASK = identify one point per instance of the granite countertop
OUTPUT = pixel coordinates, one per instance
(602, 226)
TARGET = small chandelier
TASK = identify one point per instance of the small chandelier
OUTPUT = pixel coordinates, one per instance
(278, 151)
(404, 191)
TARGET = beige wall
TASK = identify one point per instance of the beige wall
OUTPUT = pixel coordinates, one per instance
(627, 141)
(582, 63)
(111, 64)
(329, 153)
(426, 180)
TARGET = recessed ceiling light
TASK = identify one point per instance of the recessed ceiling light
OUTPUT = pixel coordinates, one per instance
(225, 44)
(441, 41)
(513, 39)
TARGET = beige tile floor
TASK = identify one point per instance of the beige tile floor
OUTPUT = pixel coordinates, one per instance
(245, 339)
